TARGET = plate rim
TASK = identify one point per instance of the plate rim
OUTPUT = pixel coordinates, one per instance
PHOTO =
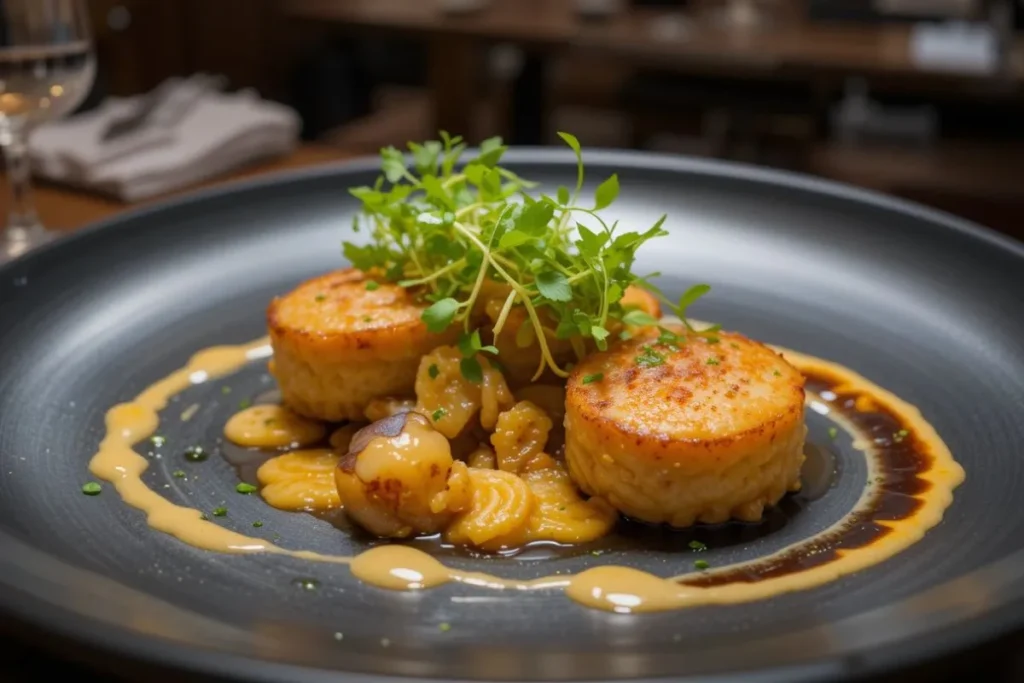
(119, 642)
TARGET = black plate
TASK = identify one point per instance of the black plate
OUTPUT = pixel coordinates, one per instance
(925, 304)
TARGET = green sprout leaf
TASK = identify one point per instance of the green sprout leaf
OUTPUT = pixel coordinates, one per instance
(638, 318)
(439, 316)
(689, 297)
(471, 370)
(606, 193)
(554, 286)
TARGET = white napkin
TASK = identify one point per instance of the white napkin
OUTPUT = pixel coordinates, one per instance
(196, 133)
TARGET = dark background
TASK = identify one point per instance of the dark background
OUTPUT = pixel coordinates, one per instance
(368, 74)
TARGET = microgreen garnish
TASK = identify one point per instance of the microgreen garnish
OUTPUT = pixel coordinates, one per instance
(447, 228)
(596, 377)
(470, 345)
(220, 512)
(245, 488)
(649, 358)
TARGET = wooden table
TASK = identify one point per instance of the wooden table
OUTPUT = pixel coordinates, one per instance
(66, 209)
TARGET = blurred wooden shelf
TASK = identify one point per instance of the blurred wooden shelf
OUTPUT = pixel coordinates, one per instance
(980, 169)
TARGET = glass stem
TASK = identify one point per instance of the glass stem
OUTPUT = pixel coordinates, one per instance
(22, 220)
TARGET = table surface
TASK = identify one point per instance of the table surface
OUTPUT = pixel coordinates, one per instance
(66, 209)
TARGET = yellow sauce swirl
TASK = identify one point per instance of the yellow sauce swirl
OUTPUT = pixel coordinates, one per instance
(611, 588)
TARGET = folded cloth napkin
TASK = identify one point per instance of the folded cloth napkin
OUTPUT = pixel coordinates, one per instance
(192, 132)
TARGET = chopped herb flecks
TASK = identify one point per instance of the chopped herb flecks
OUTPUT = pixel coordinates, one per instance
(833, 433)
(701, 564)
(438, 414)
(245, 488)
(596, 377)
(433, 371)
(697, 545)
(220, 512)
(91, 488)
(650, 358)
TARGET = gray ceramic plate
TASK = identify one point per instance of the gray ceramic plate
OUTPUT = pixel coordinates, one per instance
(924, 303)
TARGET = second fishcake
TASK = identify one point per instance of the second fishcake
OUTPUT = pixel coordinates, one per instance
(686, 431)
(343, 339)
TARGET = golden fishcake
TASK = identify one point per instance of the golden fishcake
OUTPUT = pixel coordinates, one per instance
(686, 432)
(343, 339)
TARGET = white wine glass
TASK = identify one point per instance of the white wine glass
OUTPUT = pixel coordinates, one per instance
(46, 70)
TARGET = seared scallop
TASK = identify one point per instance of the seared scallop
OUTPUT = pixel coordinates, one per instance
(343, 339)
(695, 430)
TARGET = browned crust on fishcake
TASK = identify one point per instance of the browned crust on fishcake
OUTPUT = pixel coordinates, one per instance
(328, 315)
(649, 396)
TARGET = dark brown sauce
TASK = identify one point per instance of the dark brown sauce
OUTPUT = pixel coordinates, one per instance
(900, 461)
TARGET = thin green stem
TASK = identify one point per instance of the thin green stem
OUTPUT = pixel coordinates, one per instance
(435, 275)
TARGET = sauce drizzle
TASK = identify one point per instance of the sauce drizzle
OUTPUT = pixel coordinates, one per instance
(856, 404)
